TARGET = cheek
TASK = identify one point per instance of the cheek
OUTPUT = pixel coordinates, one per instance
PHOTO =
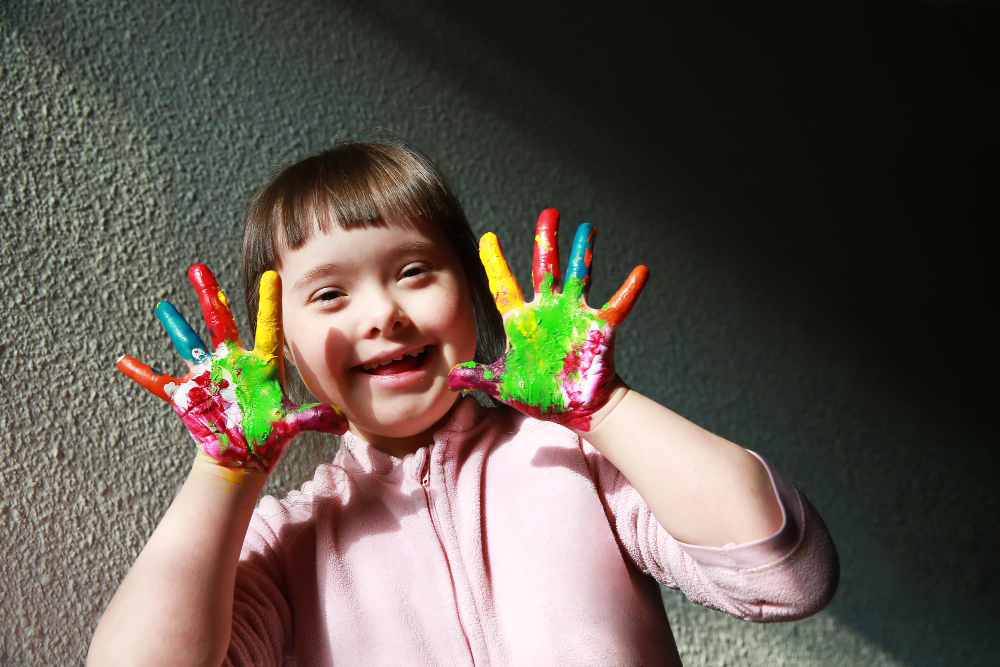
(316, 349)
(457, 320)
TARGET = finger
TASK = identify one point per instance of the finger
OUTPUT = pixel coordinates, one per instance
(184, 338)
(580, 259)
(268, 340)
(323, 418)
(503, 284)
(153, 380)
(470, 375)
(618, 308)
(221, 325)
(545, 259)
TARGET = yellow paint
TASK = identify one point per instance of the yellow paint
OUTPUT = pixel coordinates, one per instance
(228, 478)
(222, 298)
(528, 324)
(268, 339)
(506, 291)
(542, 243)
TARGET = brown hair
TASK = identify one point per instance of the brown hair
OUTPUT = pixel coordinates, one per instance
(354, 184)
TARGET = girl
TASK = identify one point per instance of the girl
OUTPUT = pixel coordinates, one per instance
(446, 531)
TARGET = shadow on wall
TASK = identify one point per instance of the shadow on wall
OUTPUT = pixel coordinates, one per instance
(841, 156)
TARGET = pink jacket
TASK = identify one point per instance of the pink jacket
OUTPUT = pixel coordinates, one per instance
(509, 541)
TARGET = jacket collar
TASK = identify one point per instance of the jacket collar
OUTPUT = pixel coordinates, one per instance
(465, 416)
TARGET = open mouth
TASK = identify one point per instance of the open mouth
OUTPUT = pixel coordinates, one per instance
(406, 362)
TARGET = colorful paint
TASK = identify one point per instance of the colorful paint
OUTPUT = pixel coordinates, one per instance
(580, 260)
(559, 360)
(545, 259)
(221, 325)
(184, 338)
(503, 284)
(231, 401)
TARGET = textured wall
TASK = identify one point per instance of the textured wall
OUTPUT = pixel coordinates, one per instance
(778, 171)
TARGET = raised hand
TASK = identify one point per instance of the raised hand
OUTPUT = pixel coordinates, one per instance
(559, 361)
(231, 401)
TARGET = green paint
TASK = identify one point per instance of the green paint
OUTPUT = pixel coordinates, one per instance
(468, 364)
(223, 442)
(258, 393)
(221, 437)
(487, 374)
(541, 335)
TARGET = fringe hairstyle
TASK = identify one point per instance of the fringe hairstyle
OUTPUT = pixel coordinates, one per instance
(354, 184)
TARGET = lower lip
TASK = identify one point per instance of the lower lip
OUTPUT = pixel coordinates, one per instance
(403, 379)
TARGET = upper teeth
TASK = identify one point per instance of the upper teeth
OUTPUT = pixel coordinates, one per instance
(412, 353)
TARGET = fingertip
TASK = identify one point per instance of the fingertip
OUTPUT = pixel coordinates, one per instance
(548, 218)
(488, 241)
(642, 276)
(200, 275)
(269, 280)
(162, 308)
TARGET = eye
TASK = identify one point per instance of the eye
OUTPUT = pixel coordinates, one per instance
(327, 295)
(414, 270)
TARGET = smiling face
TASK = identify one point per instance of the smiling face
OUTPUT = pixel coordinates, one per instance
(374, 319)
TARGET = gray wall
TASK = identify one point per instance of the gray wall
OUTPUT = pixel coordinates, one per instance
(805, 185)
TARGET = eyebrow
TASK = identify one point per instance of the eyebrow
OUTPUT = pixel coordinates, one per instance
(332, 267)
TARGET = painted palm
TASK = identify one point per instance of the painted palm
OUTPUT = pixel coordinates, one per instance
(559, 363)
(231, 401)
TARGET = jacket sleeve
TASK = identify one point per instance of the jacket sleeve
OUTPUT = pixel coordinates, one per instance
(262, 617)
(786, 576)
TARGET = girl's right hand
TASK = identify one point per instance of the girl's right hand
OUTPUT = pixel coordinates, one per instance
(231, 401)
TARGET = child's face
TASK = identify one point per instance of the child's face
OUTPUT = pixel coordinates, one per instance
(351, 298)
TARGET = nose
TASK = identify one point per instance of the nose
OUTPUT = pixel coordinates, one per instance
(384, 314)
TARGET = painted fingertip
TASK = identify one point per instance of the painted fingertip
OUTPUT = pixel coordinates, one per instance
(200, 274)
(269, 278)
(186, 341)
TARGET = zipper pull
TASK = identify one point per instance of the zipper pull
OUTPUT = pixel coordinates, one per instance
(425, 476)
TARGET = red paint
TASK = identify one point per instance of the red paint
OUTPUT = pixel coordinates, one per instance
(546, 255)
(220, 321)
(206, 420)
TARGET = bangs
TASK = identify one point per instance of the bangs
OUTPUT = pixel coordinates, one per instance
(355, 186)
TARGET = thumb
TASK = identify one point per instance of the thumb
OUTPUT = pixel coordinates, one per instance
(317, 417)
(470, 375)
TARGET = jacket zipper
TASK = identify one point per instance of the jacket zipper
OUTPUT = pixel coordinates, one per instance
(425, 483)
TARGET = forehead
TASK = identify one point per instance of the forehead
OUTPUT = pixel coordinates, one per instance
(361, 244)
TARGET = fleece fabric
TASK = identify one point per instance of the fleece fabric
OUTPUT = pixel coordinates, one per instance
(508, 541)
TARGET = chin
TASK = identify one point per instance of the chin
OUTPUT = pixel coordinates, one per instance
(404, 416)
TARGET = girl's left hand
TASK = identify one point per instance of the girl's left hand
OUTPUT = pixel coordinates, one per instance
(559, 361)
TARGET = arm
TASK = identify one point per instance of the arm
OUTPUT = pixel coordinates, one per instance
(694, 510)
(701, 488)
(175, 605)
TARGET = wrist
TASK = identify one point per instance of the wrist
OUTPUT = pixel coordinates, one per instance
(619, 390)
(207, 467)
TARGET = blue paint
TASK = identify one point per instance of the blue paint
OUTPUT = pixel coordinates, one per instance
(188, 343)
(579, 267)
